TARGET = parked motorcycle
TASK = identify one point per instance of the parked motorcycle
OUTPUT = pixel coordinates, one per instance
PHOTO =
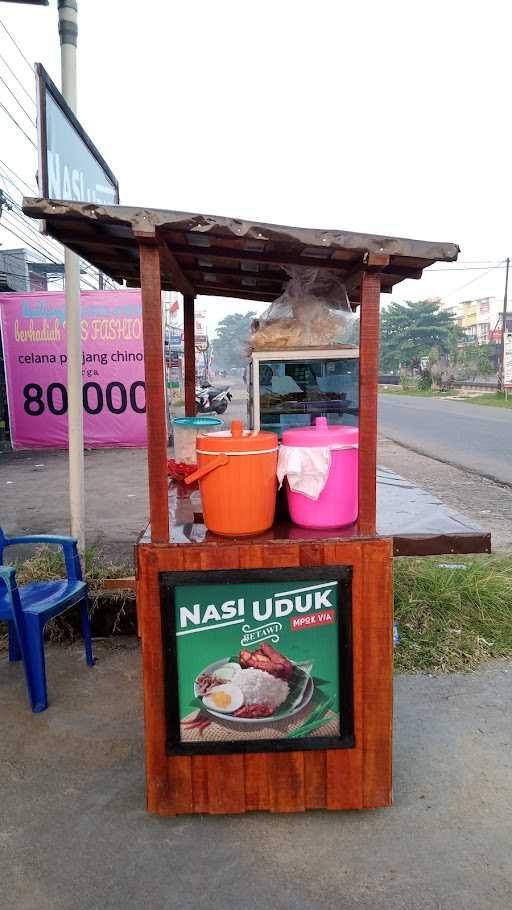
(212, 399)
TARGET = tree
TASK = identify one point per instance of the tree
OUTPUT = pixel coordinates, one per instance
(476, 360)
(230, 346)
(410, 331)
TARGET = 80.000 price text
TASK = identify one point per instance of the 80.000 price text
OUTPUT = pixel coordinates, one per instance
(94, 398)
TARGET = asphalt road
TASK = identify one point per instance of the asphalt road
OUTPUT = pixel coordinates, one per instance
(471, 436)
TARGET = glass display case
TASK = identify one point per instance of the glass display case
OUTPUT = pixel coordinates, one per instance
(291, 388)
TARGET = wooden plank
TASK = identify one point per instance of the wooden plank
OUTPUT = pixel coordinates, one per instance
(119, 584)
(180, 784)
(199, 765)
(226, 784)
(377, 626)
(257, 770)
(214, 291)
(266, 257)
(171, 266)
(344, 767)
(155, 398)
(312, 554)
(315, 780)
(281, 555)
(148, 597)
(190, 355)
(368, 385)
(286, 782)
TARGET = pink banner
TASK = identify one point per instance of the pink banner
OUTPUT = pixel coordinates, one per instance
(34, 345)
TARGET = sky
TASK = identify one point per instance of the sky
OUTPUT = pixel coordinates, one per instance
(388, 118)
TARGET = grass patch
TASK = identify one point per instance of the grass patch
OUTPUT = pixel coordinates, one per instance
(417, 393)
(494, 400)
(452, 619)
(47, 564)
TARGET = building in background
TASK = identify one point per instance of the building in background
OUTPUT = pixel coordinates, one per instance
(480, 319)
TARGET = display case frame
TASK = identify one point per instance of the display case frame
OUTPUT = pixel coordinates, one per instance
(348, 352)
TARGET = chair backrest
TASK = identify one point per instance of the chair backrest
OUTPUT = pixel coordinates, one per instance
(3, 543)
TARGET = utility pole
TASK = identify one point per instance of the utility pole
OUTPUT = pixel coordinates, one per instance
(68, 32)
(503, 330)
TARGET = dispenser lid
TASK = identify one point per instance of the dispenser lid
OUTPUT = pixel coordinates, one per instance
(237, 439)
(321, 434)
(197, 422)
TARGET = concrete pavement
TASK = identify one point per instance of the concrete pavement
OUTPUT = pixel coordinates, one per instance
(74, 832)
(471, 436)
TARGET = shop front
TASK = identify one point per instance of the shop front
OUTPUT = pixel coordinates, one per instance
(267, 627)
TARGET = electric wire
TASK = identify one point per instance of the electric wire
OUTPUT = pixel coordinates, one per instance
(18, 102)
(20, 83)
(52, 245)
(16, 45)
(477, 278)
(8, 227)
(24, 182)
(2, 105)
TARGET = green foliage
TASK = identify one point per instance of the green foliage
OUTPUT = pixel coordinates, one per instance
(410, 331)
(476, 360)
(452, 619)
(230, 346)
(425, 381)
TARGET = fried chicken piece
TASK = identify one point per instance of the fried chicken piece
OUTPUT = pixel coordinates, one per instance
(268, 659)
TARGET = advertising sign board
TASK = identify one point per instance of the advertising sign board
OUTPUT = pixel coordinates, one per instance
(70, 165)
(34, 344)
(259, 659)
(507, 363)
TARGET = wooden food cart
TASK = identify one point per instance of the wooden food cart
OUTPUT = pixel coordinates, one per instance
(348, 766)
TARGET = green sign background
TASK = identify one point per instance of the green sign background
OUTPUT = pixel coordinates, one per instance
(215, 640)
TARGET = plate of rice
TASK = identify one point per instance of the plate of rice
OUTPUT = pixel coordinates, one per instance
(259, 697)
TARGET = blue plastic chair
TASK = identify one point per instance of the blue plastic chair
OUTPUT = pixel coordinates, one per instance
(28, 608)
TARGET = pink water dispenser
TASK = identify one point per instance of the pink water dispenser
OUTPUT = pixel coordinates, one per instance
(337, 503)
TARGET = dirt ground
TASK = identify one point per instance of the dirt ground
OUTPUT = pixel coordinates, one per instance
(74, 832)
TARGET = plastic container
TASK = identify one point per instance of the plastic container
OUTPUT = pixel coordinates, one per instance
(237, 480)
(185, 430)
(337, 505)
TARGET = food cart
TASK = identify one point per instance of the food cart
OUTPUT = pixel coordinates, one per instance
(238, 592)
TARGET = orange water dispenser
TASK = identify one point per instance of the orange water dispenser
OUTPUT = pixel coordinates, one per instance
(237, 479)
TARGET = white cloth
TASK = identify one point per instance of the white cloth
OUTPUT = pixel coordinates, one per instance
(307, 468)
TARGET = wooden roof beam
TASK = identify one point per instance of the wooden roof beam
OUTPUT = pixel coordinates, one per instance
(171, 266)
(264, 258)
(241, 294)
(168, 263)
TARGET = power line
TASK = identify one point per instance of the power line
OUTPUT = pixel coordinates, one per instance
(478, 277)
(473, 268)
(16, 45)
(20, 83)
(54, 247)
(35, 234)
(2, 105)
(30, 188)
(26, 239)
(18, 102)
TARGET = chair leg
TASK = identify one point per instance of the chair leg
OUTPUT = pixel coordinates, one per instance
(86, 632)
(35, 657)
(14, 645)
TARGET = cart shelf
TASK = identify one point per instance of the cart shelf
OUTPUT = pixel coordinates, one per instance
(418, 523)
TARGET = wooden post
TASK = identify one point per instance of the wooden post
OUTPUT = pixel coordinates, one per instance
(155, 391)
(190, 356)
(368, 387)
